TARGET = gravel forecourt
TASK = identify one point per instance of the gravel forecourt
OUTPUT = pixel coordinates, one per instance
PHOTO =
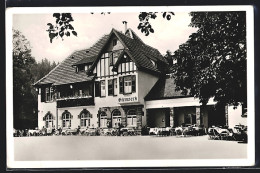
(124, 148)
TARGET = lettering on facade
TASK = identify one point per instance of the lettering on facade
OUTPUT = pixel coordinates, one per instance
(127, 99)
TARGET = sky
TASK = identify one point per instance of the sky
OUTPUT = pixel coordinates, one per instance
(168, 35)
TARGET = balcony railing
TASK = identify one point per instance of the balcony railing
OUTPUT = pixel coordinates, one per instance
(75, 101)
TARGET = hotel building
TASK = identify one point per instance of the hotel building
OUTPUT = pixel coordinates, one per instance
(121, 80)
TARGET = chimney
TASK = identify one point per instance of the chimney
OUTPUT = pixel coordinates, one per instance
(125, 22)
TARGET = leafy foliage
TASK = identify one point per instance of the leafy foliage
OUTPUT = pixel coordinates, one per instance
(144, 18)
(212, 63)
(62, 27)
(26, 71)
(42, 68)
(22, 79)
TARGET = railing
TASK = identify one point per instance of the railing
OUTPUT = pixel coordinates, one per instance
(74, 102)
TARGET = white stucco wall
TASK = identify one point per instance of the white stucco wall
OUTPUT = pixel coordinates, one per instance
(43, 108)
(234, 116)
(177, 102)
(145, 83)
(75, 111)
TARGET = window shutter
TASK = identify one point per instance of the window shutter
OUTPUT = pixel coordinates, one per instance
(110, 87)
(133, 84)
(97, 89)
(121, 85)
(43, 91)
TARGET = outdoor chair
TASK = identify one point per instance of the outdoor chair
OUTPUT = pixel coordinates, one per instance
(210, 133)
(216, 134)
(178, 131)
(224, 135)
(231, 135)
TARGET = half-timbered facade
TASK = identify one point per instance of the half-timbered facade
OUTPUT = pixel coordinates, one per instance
(103, 86)
(116, 82)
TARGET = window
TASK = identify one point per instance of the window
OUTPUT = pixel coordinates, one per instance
(58, 95)
(87, 67)
(131, 118)
(128, 85)
(154, 64)
(47, 91)
(80, 93)
(48, 120)
(121, 85)
(85, 118)
(66, 119)
(103, 119)
(100, 88)
(103, 88)
(115, 87)
(97, 89)
(81, 68)
(43, 94)
(133, 84)
(110, 87)
(49, 94)
(116, 121)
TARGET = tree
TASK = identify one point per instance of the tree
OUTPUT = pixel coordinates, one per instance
(26, 71)
(212, 63)
(62, 27)
(42, 68)
(144, 18)
(24, 98)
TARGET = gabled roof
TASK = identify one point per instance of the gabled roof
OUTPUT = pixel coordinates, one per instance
(141, 52)
(164, 89)
(137, 50)
(64, 73)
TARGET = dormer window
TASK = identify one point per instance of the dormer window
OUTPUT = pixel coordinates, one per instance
(87, 67)
(154, 64)
(82, 68)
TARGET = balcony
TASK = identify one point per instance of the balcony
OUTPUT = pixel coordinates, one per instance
(75, 101)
